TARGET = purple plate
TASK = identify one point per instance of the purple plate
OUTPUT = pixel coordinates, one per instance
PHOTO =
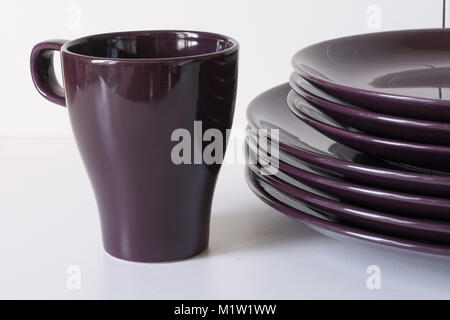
(372, 220)
(404, 73)
(372, 122)
(297, 173)
(270, 111)
(296, 209)
(396, 150)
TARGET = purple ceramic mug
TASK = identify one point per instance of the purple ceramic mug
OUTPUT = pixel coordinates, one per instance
(127, 93)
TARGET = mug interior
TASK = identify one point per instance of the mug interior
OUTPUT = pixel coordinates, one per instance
(150, 45)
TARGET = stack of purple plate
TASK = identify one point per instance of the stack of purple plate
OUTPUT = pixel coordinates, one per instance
(357, 144)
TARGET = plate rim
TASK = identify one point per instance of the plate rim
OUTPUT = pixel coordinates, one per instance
(372, 93)
(347, 231)
(413, 180)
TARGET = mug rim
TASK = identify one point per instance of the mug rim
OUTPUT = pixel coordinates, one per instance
(234, 47)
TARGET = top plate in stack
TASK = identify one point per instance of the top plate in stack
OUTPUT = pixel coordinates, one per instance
(404, 73)
(385, 94)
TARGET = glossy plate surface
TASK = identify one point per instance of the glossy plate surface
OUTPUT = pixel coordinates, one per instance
(397, 72)
(270, 111)
(414, 153)
(297, 174)
(296, 209)
(383, 222)
(381, 124)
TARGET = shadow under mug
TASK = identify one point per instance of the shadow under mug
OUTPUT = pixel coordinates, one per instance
(126, 94)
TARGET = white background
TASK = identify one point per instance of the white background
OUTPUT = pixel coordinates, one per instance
(48, 218)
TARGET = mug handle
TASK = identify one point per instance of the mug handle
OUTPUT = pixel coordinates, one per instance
(43, 72)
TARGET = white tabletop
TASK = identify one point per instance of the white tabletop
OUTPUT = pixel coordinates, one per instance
(48, 223)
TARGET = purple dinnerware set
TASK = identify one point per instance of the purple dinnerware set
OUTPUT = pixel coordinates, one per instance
(356, 144)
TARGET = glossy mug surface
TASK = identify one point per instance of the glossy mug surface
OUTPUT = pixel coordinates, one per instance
(126, 94)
